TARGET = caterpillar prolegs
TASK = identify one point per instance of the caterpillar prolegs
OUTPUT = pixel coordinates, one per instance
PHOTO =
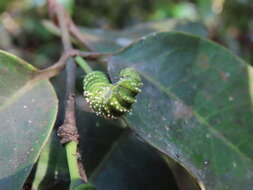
(112, 100)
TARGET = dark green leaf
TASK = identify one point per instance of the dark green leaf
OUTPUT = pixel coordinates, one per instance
(106, 40)
(52, 169)
(110, 40)
(96, 138)
(133, 165)
(195, 106)
(28, 111)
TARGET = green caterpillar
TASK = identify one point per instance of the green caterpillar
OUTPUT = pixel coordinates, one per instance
(112, 100)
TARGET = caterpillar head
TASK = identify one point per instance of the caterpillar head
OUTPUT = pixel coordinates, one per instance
(112, 100)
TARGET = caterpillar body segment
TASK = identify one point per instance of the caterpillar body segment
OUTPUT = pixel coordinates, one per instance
(112, 100)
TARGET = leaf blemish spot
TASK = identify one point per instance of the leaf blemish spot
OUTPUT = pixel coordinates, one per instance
(123, 41)
(205, 162)
(231, 98)
(167, 127)
(224, 76)
(181, 111)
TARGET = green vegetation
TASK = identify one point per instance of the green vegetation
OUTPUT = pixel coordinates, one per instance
(191, 126)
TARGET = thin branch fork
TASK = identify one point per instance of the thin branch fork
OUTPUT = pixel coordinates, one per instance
(61, 63)
(70, 25)
(68, 131)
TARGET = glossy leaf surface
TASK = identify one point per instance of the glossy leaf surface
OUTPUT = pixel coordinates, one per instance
(195, 106)
(28, 111)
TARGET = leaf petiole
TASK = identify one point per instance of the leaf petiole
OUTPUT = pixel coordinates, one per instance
(83, 64)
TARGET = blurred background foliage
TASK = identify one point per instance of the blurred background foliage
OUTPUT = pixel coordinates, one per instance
(228, 22)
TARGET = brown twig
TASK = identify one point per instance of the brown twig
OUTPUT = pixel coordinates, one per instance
(68, 131)
(69, 24)
(60, 64)
(78, 35)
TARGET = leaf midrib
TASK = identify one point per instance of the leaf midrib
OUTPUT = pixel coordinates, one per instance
(19, 93)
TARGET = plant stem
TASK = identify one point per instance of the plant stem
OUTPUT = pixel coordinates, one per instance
(68, 131)
(54, 69)
(71, 150)
(76, 182)
(83, 64)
